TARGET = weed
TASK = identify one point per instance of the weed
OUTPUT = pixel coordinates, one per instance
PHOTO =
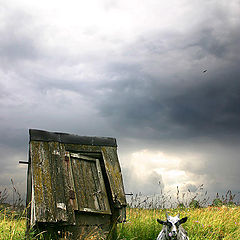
(221, 220)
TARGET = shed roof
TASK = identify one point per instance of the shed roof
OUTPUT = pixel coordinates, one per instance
(45, 136)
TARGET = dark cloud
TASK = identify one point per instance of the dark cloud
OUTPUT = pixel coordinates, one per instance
(209, 107)
(149, 93)
(178, 108)
(14, 138)
(184, 102)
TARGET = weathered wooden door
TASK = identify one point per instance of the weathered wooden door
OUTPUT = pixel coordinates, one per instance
(89, 186)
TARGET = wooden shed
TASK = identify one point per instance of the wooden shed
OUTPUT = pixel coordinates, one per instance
(74, 185)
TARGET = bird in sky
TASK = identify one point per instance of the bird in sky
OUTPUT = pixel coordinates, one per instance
(205, 71)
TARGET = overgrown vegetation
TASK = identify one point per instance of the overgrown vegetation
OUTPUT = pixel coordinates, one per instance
(12, 224)
(218, 220)
(203, 223)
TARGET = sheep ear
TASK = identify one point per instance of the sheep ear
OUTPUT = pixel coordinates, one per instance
(183, 220)
(161, 222)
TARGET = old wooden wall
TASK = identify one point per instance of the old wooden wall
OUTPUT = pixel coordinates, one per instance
(76, 187)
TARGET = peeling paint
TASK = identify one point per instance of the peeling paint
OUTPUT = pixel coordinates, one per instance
(87, 210)
(55, 152)
(62, 206)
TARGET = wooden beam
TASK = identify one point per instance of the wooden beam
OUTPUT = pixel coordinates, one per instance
(23, 162)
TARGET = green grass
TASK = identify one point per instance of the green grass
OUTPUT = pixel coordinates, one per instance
(12, 225)
(203, 223)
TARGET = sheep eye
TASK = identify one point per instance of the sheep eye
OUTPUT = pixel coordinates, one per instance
(169, 224)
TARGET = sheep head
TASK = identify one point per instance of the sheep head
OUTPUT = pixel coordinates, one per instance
(172, 224)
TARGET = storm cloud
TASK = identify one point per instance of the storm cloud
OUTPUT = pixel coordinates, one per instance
(163, 78)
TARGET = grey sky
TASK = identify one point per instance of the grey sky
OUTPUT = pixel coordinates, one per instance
(133, 70)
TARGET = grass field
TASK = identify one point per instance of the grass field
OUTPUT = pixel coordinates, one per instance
(12, 225)
(203, 223)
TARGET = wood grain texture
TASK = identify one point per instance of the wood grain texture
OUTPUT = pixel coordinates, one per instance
(89, 185)
(114, 175)
(50, 183)
(67, 185)
(116, 182)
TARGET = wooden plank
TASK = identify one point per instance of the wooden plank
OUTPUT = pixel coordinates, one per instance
(103, 192)
(78, 182)
(114, 176)
(88, 183)
(99, 204)
(51, 183)
(78, 155)
(89, 186)
(42, 182)
(29, 195)
(61, 183)
(57, 173)
(69, 173)
(121, 212)
(82, 148)
(44, 136)
(67, 185)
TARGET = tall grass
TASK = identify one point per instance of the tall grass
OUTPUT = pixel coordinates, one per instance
(221, 220)
(203, 223)
(12, 225)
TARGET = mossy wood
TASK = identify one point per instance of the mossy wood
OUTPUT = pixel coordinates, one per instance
(75, 186)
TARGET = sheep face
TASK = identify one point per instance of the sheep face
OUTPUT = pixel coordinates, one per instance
(172, 224)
